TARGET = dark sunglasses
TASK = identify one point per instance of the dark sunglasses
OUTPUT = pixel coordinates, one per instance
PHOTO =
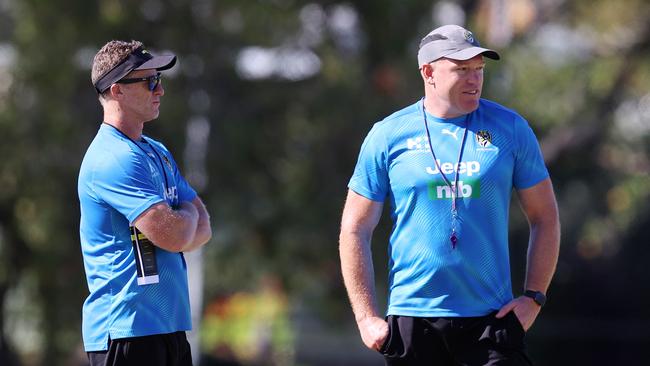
(153, 81)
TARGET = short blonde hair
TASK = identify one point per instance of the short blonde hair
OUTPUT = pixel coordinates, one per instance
(111, 55)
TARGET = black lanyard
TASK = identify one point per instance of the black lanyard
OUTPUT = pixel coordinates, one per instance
(162, 165)
(452, 186)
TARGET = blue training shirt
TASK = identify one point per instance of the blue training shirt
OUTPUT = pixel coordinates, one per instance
(427, 277)
(117, 183)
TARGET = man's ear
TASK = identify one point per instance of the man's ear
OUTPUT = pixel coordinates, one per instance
(116, 91)
(427, 73)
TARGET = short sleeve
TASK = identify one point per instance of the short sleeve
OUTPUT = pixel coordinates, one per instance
(370, 177)
(126, 184)
(529, 162)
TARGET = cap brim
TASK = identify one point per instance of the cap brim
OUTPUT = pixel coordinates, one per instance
(470, 52)
(159, 63)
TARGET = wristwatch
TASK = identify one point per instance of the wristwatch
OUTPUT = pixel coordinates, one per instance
(537, 296)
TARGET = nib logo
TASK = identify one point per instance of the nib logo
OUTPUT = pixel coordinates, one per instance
(439, 190)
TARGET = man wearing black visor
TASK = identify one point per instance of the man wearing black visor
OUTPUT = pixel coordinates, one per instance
(138, 216)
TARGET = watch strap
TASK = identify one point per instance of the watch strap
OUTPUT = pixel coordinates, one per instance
(537, 296)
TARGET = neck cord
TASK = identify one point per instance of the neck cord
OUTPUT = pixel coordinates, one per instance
(452, 186)
(162, 165)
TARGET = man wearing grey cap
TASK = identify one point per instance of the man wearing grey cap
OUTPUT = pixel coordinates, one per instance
(138, 216)
(447, 165)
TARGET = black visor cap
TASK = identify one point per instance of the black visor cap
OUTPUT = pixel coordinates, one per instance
(139, 59)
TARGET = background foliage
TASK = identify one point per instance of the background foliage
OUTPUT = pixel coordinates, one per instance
(267, 109)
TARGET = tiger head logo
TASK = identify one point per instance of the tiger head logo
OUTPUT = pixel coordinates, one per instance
(484, 138)
(169, 164)
(469, 37)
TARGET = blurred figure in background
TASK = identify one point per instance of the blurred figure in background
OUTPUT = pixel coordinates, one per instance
(138, 216)
(447, 165)
(250, 328)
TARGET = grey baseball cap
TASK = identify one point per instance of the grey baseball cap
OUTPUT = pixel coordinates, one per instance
(451, 41)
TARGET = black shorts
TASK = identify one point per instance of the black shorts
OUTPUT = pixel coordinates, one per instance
(470, 341)
(170, 349)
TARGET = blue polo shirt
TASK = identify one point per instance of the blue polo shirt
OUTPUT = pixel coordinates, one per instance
(120, 179)
(427, 276)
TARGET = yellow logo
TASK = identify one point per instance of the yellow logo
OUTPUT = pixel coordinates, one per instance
(169, 164)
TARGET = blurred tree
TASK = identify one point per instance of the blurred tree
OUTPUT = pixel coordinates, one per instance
(288, 89)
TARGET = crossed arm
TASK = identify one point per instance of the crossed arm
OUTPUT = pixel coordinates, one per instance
(181, 230)
(360, 217)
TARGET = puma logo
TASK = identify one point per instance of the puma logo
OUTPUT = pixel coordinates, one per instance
(448, 132)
